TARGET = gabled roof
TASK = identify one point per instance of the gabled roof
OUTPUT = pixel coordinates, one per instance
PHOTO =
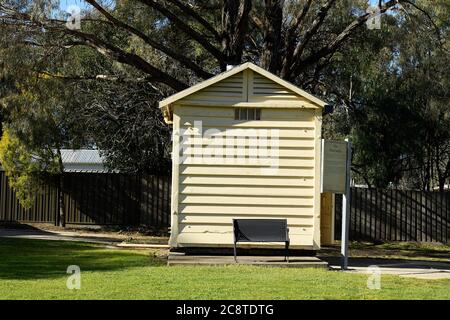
(224, 75)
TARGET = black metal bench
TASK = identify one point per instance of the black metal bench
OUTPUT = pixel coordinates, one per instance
(261, 230)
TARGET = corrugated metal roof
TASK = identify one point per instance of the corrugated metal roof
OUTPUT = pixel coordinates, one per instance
(81, 156)
(82, 160)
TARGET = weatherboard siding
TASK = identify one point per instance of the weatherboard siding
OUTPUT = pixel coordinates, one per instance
(210, 195)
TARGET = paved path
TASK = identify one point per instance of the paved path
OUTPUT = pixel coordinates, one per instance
(101, 238)
(403, 268)
(57, 235)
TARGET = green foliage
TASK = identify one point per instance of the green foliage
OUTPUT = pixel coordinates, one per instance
(394, 100)
(35, 126)
(22, 171)
(123, 122)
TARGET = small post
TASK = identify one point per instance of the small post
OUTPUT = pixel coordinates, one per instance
(346, 209)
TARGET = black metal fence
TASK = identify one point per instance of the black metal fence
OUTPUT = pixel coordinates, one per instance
(96, 199)
(396, 215)
(133, 200)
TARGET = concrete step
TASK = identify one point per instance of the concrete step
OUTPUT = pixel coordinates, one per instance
(175, 259)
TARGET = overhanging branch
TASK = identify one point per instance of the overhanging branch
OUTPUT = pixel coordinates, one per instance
(101, 46)
(332, 46)
(185, 61)
(201, 39)
(191, 12)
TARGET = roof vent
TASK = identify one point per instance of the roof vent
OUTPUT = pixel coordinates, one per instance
(230, 66)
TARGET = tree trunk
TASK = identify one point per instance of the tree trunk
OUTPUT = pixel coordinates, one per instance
(234, 30)
(273, 19)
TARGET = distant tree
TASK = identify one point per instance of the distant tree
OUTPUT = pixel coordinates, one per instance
(37, 127)
(122, 122)
(23, 173)
(396, 100)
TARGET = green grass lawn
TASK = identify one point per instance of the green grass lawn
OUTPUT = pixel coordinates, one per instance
(36, 269)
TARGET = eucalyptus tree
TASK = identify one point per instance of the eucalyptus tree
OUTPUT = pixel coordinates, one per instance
(394, 100)
(128, 54)
(294, 39)
(36, 128)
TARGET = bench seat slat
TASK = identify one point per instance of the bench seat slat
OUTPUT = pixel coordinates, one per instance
(260, 230)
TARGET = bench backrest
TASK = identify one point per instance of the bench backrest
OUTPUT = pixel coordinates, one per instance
(260, 230)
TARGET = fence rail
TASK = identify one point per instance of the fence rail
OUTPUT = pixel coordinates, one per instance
(396, 215)
(96, 199)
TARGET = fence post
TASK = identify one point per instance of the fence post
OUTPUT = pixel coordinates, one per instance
(57, 217)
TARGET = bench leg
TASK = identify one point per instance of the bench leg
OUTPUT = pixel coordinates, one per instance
(286, 257)
(235, 258)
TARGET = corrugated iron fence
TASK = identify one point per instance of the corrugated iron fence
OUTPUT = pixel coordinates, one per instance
(97, 199)
(396, 215)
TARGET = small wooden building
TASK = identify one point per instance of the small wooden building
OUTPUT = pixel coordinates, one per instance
(248, 102)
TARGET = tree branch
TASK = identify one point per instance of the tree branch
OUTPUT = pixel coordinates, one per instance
(201, 39)
(291, 35)
(104, 48)
(273, 20)
(171, 53)
(104, 77)
(318, 21)
(131, 59)
(436, 28)
(190, 12)
(338, 40)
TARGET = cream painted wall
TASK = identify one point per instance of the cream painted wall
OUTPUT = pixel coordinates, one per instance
(207, 196)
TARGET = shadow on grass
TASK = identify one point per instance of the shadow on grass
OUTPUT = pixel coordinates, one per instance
(407, 250)
(390, 262)
(42, 259)
(395, 250)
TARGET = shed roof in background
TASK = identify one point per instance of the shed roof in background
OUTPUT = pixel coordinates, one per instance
(82, 160)
(81, 156)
